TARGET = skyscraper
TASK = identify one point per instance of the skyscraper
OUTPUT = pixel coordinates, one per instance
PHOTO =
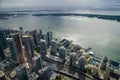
(62, 52)
(21, 31)
(73, 59)
(107, 72)
(18, 44)
(43, 47)
(81, 63)
(49, 35)
(38, 64)
(2, 55)
(35, 36)
(45, 37)
(3, 39)
(13, 50)
(22, 73)
(53, 47)
(29, 47)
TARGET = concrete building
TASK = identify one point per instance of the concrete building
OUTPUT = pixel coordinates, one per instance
(2, 55)
(13, 49)
(2, 75)
(43, 47)
(62, 52)
(53, 47)
(18, 43)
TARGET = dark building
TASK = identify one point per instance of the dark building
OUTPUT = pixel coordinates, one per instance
(29, 47)
(49, 35)
(2, 55)
(13, 50)
(43, 47)
(38, 65)
(22, 74)
(35, 36)
(3, 39)
(18, 43)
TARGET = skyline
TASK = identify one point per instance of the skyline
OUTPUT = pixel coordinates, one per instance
(60, 4)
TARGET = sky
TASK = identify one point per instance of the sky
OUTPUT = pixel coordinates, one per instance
(100, 4)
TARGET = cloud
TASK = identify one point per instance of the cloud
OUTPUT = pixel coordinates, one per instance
(59, 3)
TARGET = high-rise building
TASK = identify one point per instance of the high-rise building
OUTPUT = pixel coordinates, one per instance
(43, 47)
(38, 64)
(81, 63)
(22, 73)
(107, 72)
(45, 37)
(35, 36)
(29, 47)
(73, 59)
(62, 52)
(49, 35)
(13, 50)
(53, 47)
(2, 55)
(40, 34)
(18, 44)
(21, 31)
(2, 75)
(3, 39)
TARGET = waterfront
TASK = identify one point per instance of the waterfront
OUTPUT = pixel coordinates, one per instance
(101, 35)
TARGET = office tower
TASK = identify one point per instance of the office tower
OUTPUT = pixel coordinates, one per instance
(49, 35)
(13, 50)
(81, 63)
(3, 39)
(40, 34)
(29, 47)
(22, 73)
(2, 75)
(73, 59)
(18, 44)
(38, 64)
(107, 72)
(21, 31)
(45, 37)
(2, 55)
(45, 73)
(43, 47)
(53, 47)
(35, 36)
(62, 52)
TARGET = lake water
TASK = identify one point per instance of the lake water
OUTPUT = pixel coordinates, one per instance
(102, 35)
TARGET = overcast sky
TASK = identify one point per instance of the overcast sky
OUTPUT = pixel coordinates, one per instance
(60, 3)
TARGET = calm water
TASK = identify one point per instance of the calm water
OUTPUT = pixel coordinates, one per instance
(102, 35)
